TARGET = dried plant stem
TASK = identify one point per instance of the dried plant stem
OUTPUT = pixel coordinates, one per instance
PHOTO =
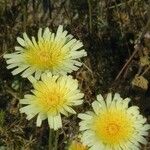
(24, 13)
(146, 70)
(12, 93)
(126, 64)
(138, 46)
(90, 15)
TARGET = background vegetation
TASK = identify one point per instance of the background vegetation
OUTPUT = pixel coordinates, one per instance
(116, 36)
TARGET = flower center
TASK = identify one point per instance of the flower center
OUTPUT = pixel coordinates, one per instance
(45, 55)
(113, 126)
(112, 129)
(50, 99)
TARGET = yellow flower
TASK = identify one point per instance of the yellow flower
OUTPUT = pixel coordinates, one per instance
(113, 125)
(52, 96)
(75, 145)
(50, 53)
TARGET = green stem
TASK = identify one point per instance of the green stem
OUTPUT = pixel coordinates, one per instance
(56, 140)
(53, 139)
(50, 140)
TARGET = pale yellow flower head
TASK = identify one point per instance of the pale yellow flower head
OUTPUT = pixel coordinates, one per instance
(113, 125)
(52, 96)
(75, 145)
(56, 53)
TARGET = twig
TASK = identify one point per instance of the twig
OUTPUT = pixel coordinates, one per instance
(126, 64)
(119, 5)
(87, 68)
(145, 70)
(138, 45)
(13, 94)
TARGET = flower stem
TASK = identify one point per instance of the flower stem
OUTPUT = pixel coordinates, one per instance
(56, 140)
(50, 140)
(53, 139)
